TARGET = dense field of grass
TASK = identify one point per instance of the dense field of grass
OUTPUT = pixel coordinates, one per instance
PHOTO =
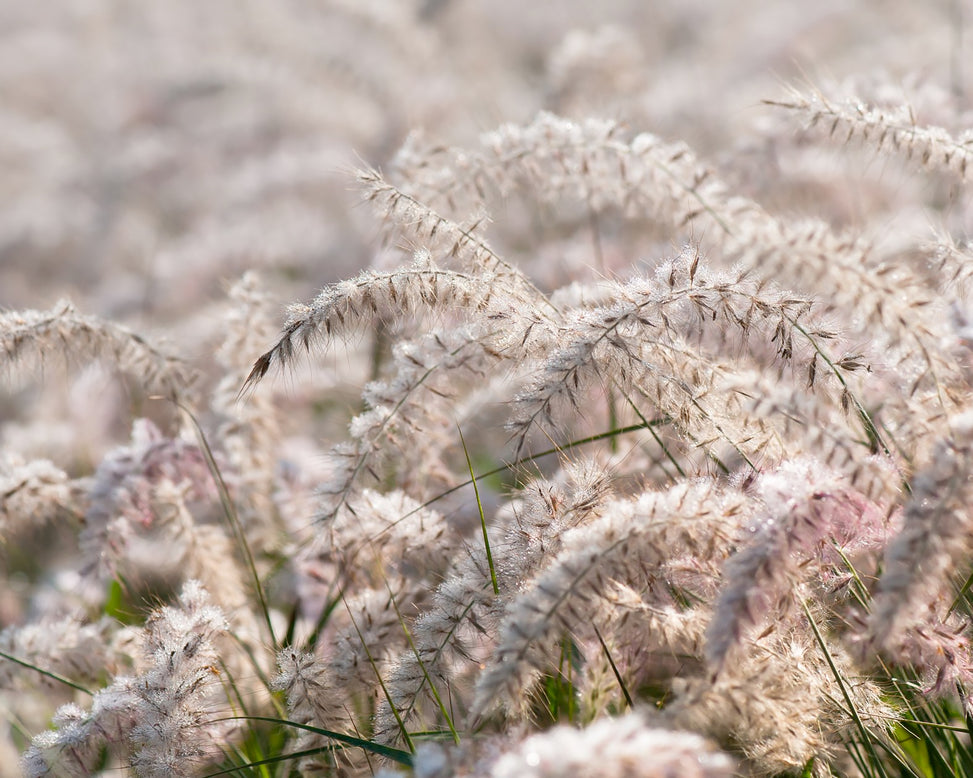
(485, 389)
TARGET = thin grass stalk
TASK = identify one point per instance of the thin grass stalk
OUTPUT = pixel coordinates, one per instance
(839, 679)
(425, 672)
(46, 673)
(618, 676)
(483, 526)
(381, 682)
(229, 512)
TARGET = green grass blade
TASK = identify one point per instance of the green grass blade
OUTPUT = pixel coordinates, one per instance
(381, 682)
(521, 461)
(618, 675)
(422, 666)
(46, 673)
(483, 526)
(650, 426)
(866, 736)
(233, 519)
(395, 754)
